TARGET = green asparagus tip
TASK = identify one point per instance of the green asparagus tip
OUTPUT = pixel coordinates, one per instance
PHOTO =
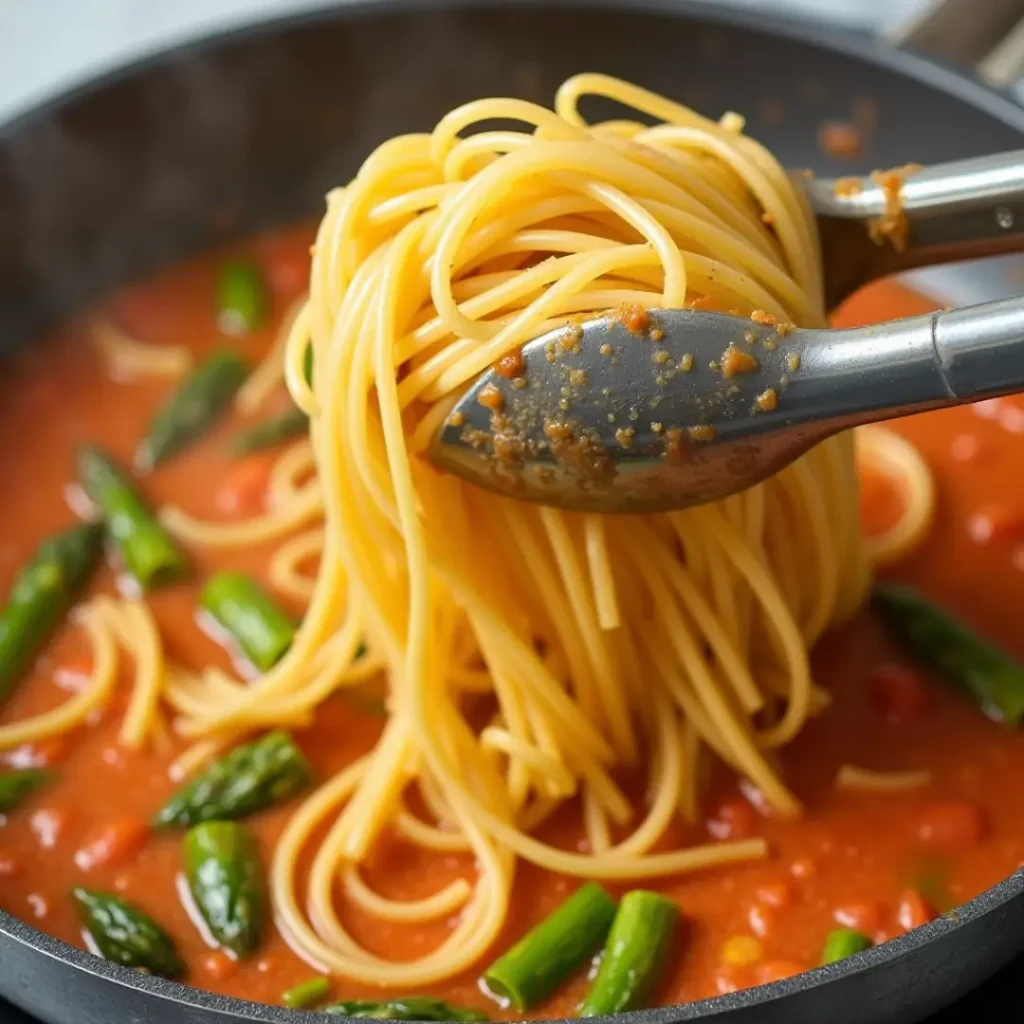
(307, 993)
(241, 298)
(226, 882)
(249, 779)
(125, 935)
(18, 786)
(43, 591)
(147, 549)
(194, 409)
(939, 641)
(421, 1008)
(259, 627)
(270, 432)
(842, 943)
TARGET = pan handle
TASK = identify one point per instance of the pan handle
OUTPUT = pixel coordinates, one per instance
(985, 35)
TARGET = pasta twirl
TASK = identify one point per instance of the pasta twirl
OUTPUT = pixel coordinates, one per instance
(604, 643)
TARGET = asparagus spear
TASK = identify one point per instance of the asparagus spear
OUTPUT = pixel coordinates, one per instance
(306, 993)
(940, 642)
(270, 432)
(635, 953)
(241, 298)
(245, 610)
(42, 593)
(248, 779)
(125, 935)
(405, 1008)
(536, 965)
(223, 872)
(146, 547)
(844, 942)
(17, 785)
(193, 409)
(930, 877)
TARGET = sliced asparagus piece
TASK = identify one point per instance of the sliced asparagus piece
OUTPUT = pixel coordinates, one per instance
(42, 592)
(124, 934)
(241, 298)
(406, 1008)
(250, 778)
(539, 962)
(16, 786)
(200, 402)
(246, 611)
(272, 431)
(635, 954)
(226, 882)
(844, 942)
(148, 551)
(933, 637)
(307, 993)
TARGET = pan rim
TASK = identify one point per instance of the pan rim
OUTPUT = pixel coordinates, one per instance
(935, 75)
(928, 71)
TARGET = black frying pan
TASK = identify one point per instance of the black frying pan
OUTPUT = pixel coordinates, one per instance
(250, 129)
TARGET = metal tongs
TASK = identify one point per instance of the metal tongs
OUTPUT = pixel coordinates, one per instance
(715, 403)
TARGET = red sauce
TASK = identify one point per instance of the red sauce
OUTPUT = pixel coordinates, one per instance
(853, 858)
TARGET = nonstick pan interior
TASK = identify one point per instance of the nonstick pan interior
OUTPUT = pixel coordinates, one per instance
(249, 130)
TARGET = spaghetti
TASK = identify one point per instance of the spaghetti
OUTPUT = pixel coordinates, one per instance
(111, 626)
(853, 779)
(128, 359)
(531, 658)
(446, 253)
(882, 451)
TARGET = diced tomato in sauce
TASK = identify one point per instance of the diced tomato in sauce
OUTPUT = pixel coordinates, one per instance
(112, 843)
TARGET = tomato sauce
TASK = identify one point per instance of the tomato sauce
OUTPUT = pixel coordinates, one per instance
(882, 863)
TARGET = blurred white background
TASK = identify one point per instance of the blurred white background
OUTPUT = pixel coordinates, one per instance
(46, 45)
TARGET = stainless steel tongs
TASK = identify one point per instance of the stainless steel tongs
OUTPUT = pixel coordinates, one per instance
(641, 432)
